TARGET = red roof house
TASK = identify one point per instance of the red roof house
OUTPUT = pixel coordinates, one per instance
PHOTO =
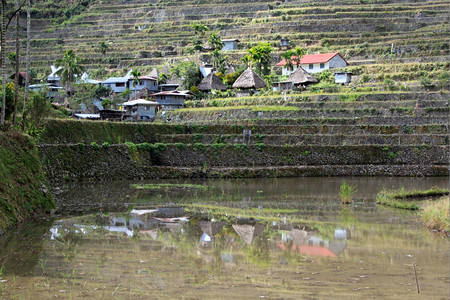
(314, 63)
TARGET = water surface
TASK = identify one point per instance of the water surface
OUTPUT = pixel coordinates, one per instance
(242, 239)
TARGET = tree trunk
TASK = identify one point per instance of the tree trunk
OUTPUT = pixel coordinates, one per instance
(27, 67)
(16, 79)
(3, 57)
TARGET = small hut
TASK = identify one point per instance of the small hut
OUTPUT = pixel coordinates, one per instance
(301, 78)
(211, 82)
(249, 81)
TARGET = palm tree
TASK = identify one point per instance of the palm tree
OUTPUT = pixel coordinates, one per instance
(70, 68)
(136, 74)
(287, 56)
(297, 55)
(215, 41)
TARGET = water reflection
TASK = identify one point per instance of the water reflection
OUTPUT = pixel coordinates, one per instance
(164, 250)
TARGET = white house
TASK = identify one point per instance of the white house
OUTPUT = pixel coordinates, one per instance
(342, 77)
(230, 44)
(139, 110)
(314, 63)
(118, 84)
(53, 77)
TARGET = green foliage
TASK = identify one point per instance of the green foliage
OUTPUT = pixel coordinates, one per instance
(426, 82)
(346, 192)
(260, 146)
(103, 47)
(412, 200)
(188, 72)
(70, 68)
(180, 146)
(259, 57)
(95, 146)
(436, 215)
(9, 89)
(105, 145)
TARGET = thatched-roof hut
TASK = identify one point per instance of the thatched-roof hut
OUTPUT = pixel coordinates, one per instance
(301, 77)
(211, 82)
(249, 232)
(249, 80)
(154, 73)
(211, 228)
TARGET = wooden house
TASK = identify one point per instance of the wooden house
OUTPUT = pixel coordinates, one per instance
(139, 110)
(314, 63)
(22, 77)
(118, 84)
(230, 44)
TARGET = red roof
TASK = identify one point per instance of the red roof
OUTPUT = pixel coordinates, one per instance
(309, 250)
(313, 59)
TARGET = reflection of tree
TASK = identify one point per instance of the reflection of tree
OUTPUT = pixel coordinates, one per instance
(66, 243)
(21, 249)
(258, 252)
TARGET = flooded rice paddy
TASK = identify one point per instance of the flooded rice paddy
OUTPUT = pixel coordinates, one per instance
(227, 239)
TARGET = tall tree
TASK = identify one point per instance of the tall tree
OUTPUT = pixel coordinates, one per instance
(70, 68)
(3, 57)
(4, 27)
(27, 56)
(215, 41)
(103, 46)
(16, 78)
(199, 29)
(136, 74)
(287, 56)
(259, 56)
(297, 55)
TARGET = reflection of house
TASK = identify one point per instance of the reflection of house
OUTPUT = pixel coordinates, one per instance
(230, 44)
(305, 243)
(249, 232)
(140, 109)
(314, 63)
(210, 230)
(170, 99)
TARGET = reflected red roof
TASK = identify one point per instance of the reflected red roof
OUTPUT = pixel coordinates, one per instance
(313, 58)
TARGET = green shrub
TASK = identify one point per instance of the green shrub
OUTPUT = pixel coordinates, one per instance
(105, 145)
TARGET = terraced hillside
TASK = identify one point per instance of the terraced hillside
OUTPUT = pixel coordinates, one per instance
(321, 135)
(382, 34)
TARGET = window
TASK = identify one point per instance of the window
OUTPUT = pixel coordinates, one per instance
(120, 84)
(322, 65)
(311, 66)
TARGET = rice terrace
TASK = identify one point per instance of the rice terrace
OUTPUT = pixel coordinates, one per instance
(227, 149)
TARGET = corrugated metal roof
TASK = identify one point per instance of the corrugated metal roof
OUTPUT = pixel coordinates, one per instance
(313, 59)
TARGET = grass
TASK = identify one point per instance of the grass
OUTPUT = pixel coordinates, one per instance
(436, 214)
(169, 186)
(346, 192)
(412, 200)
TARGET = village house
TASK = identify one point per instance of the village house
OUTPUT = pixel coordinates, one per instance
(148, 82)
(298, 79)
(139, 110)
(314, 63)
(211, 82)
(118, 84)
(53, 78)
(342, 77)
(170, 99)
(230, 44)
(22, 77)
(248, 82)
(51, 88)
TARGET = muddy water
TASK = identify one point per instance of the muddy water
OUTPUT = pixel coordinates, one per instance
(243, 239)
